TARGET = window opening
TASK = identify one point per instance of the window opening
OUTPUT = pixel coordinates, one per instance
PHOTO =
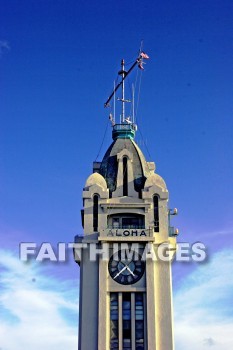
(125, 177)
(95, 212)
(156, 213)
(114, 339)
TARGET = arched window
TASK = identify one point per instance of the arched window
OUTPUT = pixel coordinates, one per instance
(95, 212)
(125, 177)
(156, 213)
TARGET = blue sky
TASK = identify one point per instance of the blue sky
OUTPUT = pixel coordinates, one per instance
(58, 60)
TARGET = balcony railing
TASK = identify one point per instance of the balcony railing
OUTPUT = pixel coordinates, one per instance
(124, 131)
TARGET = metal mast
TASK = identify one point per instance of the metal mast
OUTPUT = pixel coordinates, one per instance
(122, 72)
(133, 103)
(124, 75)
(138, 62)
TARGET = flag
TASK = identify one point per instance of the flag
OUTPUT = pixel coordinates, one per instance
(144, 55)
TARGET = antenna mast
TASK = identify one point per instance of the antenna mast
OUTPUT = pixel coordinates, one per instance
(133, 103)
(122, 72)
(139, 62)
(124, 75)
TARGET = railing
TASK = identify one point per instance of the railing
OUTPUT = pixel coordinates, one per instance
(129, 127)
(124, 131)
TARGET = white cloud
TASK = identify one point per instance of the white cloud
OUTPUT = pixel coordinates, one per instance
(36, 311)
(204, 308)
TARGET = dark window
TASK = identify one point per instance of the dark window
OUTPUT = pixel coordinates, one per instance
(125, 177)
(114, 339)
(95, 212)
(82, 217)
(156, 213)
(131, 222)
(126, 311)
(139, 321)
(128, 332)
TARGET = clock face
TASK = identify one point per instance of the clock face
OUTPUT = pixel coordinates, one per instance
(125, 267)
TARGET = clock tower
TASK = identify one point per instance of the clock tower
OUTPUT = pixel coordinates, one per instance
(127, 247)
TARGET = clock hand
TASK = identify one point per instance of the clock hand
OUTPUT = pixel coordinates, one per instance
(127, 267)
(124, 268)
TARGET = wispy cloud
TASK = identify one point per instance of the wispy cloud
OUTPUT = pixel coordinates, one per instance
(40, 312)
(223, 232)
(203, 306)
(4, 46)
(37, 311)
(209, 342)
